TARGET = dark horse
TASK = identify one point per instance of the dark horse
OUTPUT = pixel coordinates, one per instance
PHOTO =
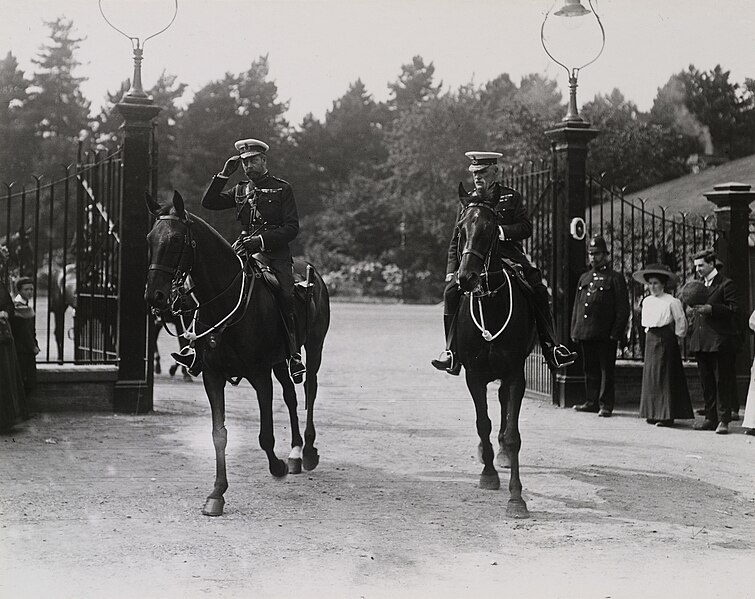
(495, 334)
(240, 333)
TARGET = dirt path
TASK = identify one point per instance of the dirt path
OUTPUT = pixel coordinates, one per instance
(108, 506)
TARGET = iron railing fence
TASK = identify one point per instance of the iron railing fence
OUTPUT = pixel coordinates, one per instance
(534, 180)
(63, 234)
(638, 236)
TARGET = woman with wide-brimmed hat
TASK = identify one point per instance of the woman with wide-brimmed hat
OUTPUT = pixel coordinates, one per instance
(665, 396)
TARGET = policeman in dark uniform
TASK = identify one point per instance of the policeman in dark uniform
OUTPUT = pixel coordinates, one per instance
(266, 207)
(599, 320)
(514, 225)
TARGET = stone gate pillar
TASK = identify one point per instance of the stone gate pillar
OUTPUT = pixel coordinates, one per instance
(569, 141)
(732, 212)
(133, 389)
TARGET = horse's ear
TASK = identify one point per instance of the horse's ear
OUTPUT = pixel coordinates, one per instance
(152, 205)
(178, 204)
(463, 195)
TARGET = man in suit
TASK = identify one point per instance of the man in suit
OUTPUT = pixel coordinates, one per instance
(23, 325)
(714, 339)
(514, 225)
(266, 208)
(599, 320)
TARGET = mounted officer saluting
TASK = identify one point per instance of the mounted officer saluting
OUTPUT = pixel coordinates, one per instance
(514, 225)
(266, 208)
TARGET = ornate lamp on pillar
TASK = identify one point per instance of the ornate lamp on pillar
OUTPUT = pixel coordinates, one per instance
(133, 390)
(575, 34)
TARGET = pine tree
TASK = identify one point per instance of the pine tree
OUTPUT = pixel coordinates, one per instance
(57, 108)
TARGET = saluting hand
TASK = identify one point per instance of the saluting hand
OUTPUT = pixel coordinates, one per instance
(230, 166)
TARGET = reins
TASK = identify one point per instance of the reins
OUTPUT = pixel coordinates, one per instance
(485, 276)
(177, 291)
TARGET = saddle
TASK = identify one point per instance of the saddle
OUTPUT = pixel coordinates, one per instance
(516, 271)
(261, 264)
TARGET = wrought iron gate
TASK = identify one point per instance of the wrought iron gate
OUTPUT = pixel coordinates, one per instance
(97, 253)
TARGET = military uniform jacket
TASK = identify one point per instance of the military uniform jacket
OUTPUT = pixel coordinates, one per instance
(512, 219)
(601, 306)
(265, 207)
(709, 333)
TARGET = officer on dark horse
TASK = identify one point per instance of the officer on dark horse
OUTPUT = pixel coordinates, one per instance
(514, 225)
(266, 208)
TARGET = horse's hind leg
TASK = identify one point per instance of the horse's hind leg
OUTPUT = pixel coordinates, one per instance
(513, 442)
(214, 385)
(289, 396)
(263, 385)
(478, 389)
(310, 455)
(502, 458)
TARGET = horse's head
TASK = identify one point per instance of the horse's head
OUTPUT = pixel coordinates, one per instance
(478, 236)
(170, 250)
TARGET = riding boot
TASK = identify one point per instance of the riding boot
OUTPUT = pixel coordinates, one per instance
(190, 358)
(296, 368)
(556, 355)
(448, 360)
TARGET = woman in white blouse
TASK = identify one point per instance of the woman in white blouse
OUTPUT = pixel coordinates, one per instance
(665, 396)
(748, 422)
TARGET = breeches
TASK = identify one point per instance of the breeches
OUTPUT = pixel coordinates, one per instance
(284, 270)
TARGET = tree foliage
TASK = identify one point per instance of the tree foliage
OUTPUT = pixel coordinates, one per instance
(375, 181)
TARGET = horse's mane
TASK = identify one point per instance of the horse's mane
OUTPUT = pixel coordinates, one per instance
(212, 231)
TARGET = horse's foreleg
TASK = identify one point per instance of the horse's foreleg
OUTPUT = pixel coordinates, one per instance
(214, 385)
(311, 457)
(263, 385)
(513, 442)
(478, 390)
(289, 396)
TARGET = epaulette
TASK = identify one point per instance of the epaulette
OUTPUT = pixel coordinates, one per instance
(279, 179)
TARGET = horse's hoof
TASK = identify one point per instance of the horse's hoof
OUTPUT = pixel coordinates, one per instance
(502, 460)
(310, 459)
(294, 465)
(213, 506)
(490, 482)
(279, 469)
(517, 508)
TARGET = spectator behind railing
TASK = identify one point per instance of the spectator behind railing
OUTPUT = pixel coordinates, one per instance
(12, 397)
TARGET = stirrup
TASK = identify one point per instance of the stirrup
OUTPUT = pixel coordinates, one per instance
(561, 356)
(187, 357)
(296, 369)
(448, 362)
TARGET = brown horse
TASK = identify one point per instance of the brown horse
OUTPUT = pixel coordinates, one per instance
(238, 329)
(495, 334)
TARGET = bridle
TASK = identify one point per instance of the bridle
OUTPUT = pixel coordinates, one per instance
(492, 249)
(179, 292)
(483, 288)
(186, 256)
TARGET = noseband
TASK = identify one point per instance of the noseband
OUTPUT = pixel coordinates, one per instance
(183, 267)
(485, 258)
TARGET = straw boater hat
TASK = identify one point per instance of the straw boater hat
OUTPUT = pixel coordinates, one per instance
(641, 276)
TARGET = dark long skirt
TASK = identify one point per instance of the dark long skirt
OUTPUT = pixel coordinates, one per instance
(664, 387)
(12, 397)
